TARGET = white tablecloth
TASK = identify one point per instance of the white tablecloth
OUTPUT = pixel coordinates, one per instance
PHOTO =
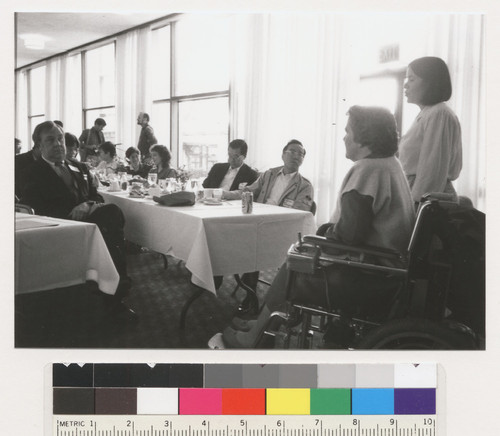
(214, 240)
(53, 253)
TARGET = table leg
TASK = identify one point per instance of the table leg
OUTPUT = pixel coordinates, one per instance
(197, 293)
(251, 302)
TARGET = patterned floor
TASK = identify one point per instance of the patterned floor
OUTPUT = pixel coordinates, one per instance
(77, 317)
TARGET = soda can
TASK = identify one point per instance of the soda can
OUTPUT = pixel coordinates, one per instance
(247, 202)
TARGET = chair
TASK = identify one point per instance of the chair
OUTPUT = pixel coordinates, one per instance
(24, 208)
(417, 295)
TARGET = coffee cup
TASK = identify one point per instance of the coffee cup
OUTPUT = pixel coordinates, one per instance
(208, 193)
(217, 194)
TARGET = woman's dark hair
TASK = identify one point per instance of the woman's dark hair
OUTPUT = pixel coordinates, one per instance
(375, 128)
(436, 76)
(130, 151)
(108, 147)
(71, 140)
(164, 154)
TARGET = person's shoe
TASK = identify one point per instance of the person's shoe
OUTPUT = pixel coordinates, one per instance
(216, 342)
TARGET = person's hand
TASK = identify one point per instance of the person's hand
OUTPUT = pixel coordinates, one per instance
(80, 212)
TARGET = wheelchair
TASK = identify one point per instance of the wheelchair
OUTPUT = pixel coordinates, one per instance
(434, 300)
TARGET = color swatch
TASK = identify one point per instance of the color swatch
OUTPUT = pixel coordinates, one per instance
(173, 389)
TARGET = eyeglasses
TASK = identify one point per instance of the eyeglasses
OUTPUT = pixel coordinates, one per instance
(296, 152)
(234, 156)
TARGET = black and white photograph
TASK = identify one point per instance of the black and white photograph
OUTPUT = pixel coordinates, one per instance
(251, 183)
(258, 180)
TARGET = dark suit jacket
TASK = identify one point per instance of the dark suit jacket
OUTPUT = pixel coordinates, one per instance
(219, 170)
(48, 195)
(23, 163)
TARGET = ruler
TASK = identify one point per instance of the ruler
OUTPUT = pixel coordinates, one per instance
(278, 425)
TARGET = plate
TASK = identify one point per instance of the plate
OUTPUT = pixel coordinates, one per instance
(114, 190)
(212, 202)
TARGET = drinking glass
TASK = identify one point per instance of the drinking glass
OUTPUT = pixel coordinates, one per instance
(152, 178)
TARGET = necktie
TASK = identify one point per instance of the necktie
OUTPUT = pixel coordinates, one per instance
(64, 173)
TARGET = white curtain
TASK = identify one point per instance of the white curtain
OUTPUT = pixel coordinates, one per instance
(22, 127)
(55, 73)
(459, 40)
(293, 80)
(132, 84)
(296, 75)
(72, 103)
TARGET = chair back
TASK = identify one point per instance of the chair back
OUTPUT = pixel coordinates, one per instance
(24, 208)
(313, 208)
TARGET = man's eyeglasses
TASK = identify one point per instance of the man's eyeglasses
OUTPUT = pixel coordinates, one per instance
(296, 152)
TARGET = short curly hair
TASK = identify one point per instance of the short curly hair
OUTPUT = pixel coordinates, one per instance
(164, 154)
(130, 151)
(108, 147)
(375, 128)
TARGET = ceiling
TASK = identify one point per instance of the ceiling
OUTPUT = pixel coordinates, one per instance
(64, 31)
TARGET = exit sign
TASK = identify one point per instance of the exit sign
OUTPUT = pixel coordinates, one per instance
(389, 53)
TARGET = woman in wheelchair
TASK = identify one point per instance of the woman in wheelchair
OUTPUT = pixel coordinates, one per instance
(374, 208)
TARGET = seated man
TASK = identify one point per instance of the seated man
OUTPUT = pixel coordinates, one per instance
(22, 164)
(64, 189)
(374, 208)
(235, 174)
(281, 186)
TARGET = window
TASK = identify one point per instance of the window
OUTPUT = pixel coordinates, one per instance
(203, 133)
(190, 77)
(36, 97)
(99, 85)
(161, 84)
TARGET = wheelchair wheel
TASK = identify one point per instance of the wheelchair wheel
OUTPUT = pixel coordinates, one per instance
(415, 334)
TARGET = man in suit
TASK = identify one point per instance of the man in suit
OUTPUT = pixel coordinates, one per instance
(234, 174)
(282, 186)
(90, 139)
(63, 188)
(23, 163)
(147, 136)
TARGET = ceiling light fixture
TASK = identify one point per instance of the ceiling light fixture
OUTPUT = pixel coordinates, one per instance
(34, 41)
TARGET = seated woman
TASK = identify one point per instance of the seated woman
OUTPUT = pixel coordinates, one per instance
(374, 207)
(136, 167)
(72, 146)
(107, 155)
(161, 159)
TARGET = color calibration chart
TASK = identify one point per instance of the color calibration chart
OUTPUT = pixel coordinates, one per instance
(244, 400)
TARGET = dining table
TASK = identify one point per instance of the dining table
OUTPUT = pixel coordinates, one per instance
(213, 239)
(53, 253)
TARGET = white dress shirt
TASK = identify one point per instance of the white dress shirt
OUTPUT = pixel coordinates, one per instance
(228, 179)
(280, 184)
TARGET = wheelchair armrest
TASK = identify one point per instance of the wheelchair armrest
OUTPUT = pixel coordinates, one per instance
(323, 243)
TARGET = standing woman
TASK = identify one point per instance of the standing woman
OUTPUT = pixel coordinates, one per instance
(431, 150)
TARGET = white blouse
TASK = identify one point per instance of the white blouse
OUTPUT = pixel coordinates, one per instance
(431, 150)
